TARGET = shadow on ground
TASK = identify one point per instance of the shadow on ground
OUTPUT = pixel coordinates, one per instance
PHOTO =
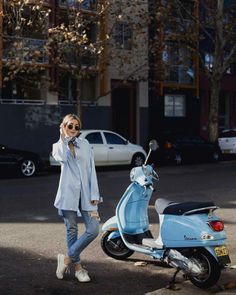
(30, 274)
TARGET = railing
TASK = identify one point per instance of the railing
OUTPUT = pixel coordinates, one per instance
(90, 5)
(25, 49)
(179, 74)
(23, 101)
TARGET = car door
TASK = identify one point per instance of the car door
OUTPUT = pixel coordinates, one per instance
(118, 150)
(185, 147)
(203, 149)
(6, 158)
(100, 149)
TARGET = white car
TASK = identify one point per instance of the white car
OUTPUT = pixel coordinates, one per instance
(227, 141)
(111, 148)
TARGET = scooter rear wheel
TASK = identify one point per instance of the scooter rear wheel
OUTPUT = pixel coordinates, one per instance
(115, 248)
(212, 270)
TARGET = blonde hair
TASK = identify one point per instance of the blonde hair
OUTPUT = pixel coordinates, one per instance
(68, 117)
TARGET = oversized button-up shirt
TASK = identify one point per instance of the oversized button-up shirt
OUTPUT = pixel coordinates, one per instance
(78, 181)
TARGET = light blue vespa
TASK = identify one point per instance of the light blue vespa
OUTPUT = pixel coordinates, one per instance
(191, 237)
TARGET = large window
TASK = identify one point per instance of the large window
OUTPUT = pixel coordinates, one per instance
(123, 36)
(24, 88)
(179, 67)
(85, 4)
(175, 106)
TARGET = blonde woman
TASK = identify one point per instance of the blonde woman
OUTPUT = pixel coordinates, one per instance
(77, 194)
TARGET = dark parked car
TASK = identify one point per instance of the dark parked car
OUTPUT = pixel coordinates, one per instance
(179, 148)
(23, 163)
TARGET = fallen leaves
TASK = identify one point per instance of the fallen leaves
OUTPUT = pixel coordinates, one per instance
(140, 263)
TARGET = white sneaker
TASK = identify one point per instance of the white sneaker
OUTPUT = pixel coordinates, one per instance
(82, 276)
(61, 266)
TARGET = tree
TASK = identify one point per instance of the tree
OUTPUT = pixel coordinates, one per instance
(209, 34)
(80, 42)
(22, 21)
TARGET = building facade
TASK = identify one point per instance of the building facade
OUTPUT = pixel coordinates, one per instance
(114, 94)
(180, 91)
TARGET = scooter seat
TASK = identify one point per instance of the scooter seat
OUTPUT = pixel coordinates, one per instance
(151, 243)
(164, 206)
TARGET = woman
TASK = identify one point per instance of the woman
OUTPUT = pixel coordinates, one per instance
(77, 194)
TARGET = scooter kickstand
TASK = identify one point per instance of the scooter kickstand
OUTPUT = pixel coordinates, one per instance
(172, 282)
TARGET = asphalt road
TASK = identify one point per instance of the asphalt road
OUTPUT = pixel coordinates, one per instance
(31, 232)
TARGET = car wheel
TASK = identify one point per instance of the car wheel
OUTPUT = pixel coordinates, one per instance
(27, 168)
(137, 160)
(178, 159)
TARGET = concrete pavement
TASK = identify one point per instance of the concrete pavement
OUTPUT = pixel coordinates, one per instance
(31, 234)
(225, 286)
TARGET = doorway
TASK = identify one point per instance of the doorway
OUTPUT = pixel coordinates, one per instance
(123, 99)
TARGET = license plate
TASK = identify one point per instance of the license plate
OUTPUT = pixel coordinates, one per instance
(221, 251)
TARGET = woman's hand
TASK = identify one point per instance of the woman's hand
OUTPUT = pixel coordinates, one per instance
(63, 131)
(94, 202)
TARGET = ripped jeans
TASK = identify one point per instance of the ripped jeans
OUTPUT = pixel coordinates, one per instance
(76, 245)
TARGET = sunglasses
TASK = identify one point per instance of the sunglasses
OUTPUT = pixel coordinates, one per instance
(70, 126)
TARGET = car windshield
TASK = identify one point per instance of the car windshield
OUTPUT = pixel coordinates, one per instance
(228, 133)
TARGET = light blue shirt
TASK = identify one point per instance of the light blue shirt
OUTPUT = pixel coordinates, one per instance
(78, 181)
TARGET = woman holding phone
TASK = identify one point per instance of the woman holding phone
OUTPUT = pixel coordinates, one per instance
(77, 195)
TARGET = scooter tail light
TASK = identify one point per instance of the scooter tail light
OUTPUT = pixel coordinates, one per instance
(168, 145)
(216, 225)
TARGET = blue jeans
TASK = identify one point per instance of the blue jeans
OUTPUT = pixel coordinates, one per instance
(76, 245)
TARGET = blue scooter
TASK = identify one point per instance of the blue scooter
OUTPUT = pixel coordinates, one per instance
(191, 237)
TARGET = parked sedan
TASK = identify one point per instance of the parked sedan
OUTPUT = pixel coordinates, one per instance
(179, 148)
(23, 163)
(110, 149)
(227, 142)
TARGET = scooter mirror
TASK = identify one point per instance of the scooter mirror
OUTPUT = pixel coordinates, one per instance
(153, 145)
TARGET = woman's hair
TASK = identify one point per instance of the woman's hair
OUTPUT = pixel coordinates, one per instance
(68, 117)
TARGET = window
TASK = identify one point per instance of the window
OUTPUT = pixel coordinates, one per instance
(178, 61)
(88, 89)
(94, 138)
(85, 4)
(89, 4)
(25, 87)
(123, 36)
(208, 59)
(113, 138)
(67, 88)
(175, 106)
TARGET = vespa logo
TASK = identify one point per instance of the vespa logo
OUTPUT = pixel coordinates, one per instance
(189, 238)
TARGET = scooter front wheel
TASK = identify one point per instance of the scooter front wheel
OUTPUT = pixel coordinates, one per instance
(115, 248)
(211, 269)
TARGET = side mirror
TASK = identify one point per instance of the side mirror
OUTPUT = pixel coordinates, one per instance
(153, 145)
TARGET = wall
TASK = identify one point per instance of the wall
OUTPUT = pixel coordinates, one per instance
(35, 128)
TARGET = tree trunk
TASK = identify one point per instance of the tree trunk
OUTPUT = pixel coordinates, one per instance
(214, 110)
(78, 104)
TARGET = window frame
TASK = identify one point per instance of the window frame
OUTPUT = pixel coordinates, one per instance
(174, 113)
(123, 36)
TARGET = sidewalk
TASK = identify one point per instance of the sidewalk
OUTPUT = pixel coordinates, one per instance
(225, 286)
